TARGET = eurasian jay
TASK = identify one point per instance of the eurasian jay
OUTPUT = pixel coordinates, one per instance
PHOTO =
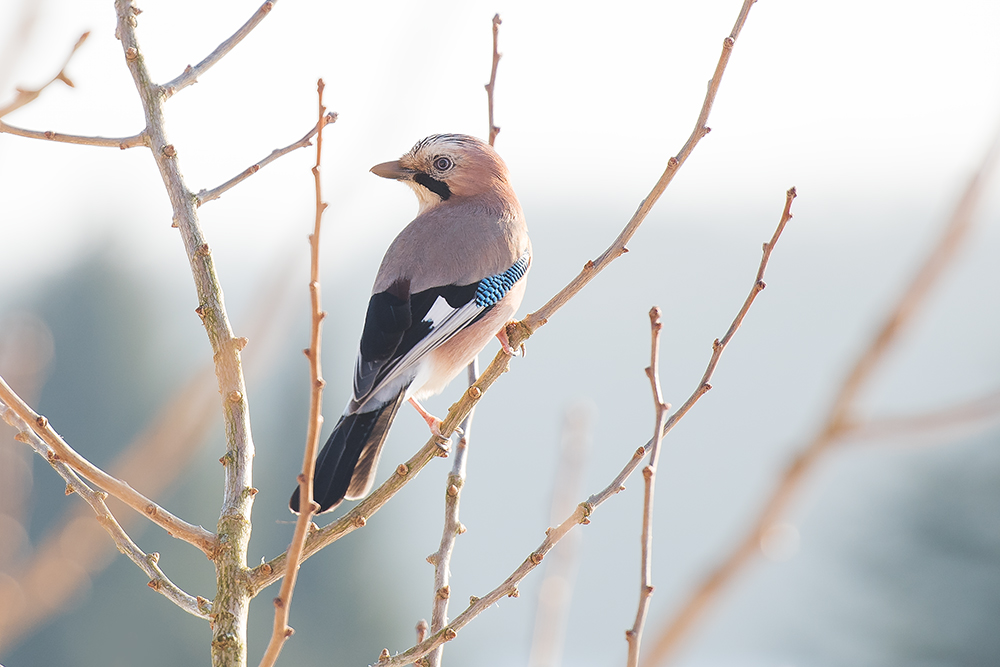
(448, 283)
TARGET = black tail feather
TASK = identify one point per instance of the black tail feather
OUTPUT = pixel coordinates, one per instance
(354, 435)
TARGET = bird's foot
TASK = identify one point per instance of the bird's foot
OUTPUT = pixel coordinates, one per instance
(505, 341)
(433, 423)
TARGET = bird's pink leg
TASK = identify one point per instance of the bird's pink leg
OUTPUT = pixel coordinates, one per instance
(505, 342)
(433, 423)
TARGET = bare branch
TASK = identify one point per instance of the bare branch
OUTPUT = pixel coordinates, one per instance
(441, 559)
(197, 606)
(583, 511)
(231, 604)
(174, 526)
(517, 333)
(634, 636)
(308, 506)
(47, 135)
(494, 130)
(215, 193)
(840, 419)
(190, 74)
(27, 96)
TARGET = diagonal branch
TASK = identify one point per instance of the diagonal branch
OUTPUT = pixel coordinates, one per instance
(174, 526)
(839, 420)
(27, 96)
(190, 74)
(215, 193)
(517, 333)
(585, 509)
(197, 606)
(308, 506)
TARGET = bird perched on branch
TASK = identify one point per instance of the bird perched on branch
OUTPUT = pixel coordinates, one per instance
(449, 282)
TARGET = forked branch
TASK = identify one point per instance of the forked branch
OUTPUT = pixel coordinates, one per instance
(517, 333)
(585, 509)
(197, 606)
(26, 96)
(840, 420)
(174, 526)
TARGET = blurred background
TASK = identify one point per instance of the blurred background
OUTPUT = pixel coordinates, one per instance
(878, 112)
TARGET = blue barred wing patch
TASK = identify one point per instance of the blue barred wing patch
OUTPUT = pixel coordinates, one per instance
(493, 288)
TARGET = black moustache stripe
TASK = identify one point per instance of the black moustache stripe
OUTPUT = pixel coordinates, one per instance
(440, 188)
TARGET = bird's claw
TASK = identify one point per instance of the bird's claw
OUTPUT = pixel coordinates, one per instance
(505, 342)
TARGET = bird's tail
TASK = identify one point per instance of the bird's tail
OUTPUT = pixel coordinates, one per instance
(346, 466)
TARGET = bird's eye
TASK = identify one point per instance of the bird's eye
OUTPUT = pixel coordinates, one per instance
(442, 163)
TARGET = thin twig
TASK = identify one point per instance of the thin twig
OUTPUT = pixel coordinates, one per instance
(174, 526)
(27, 96)
(634, 635)
(494, 130)
(197, 606)
(584, 510)
(123, 143)
(215, 193)
(840, 420)
(441, 559)
(232, 601)
(308, 507)
(190, 74)
(517, 333)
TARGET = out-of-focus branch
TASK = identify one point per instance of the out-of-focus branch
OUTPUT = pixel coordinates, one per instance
(147, 562)
(308, 507)
(979, 412)
(517, 333)
(634, 636)
(190, 74)
(215, 193)
(555, 591)
(583, 511)
(174, 526)
(494, 130)
(153, 461)
(840, 419)
(25, 96)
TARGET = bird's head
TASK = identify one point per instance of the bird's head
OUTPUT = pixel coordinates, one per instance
(443, 167)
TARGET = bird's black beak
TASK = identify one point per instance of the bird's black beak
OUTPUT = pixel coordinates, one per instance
(394, 170)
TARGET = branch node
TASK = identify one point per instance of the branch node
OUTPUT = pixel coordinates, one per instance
(360, 521)
(384, 656)
(449, 634)
(131, 54)
(69, 489)
(536, 558)
(155, 584)
(453, 491)
(514, 593)
(153, 558)
(475, 393)
(402, 470)
(241, 342)
(279, 603)
(444, 592)
(473, 599)
(461, 529)
(169, 150)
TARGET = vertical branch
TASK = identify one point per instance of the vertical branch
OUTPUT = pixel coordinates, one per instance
(494, 130)
(232, 601)
(441, 560)
(634, 636)
(309, 506)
